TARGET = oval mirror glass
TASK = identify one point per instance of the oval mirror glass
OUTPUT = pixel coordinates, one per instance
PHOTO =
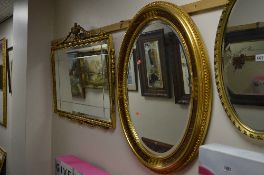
(240, 64)
(157, 70)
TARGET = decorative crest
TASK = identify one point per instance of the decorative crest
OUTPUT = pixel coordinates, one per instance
(78, 33)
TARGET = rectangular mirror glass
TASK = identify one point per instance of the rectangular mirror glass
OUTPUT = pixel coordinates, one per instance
(83, 76)
(3, 83)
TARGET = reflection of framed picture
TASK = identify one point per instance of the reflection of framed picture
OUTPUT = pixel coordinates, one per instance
(94, 71)
(153, 68)
(132, 73)
(242, 71)
(75, 79)
(180, 71)
(157, 146)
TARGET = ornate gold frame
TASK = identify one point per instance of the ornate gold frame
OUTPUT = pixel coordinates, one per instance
(4, 80)
(201, 96)
(2, 153)
(230, 111)
(80, 37)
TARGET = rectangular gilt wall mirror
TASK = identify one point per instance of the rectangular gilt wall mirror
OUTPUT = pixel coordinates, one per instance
(83, 69)
(3, 82)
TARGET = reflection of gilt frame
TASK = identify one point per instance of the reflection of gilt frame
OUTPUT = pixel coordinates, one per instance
(2, 159)
(153, 68)
(132, 84)
(78, 37)
(3, 74)
(242, 35)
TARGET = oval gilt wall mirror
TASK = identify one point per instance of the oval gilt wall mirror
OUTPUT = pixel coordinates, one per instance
(239, 64)
(164, 87)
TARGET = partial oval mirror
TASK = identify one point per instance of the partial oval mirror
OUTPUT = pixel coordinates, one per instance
(239, 65)
(163, 111)
(83, 78)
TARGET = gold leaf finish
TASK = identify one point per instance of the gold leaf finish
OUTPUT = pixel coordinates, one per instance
(201, 96)
(4, 80)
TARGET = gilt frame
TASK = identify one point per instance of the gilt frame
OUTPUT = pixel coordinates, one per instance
(201, 96)
(80, 37)
(4, 80)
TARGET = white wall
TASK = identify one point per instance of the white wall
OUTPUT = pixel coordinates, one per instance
(16, 156)
(27, 138)
(39, 88)
(6, 30)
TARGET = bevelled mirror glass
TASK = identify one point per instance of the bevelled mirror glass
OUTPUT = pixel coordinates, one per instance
(239, 65)
(3, 82)
(163, 111)
(83, 75)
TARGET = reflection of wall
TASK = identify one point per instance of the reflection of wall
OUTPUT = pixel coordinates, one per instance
(252, 115)
(156, 117)
(30, 118)
(247, 13)
(96, 101)
(109, 149)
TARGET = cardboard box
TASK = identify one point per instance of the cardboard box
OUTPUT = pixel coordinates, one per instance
(216, 159)
(72, 165)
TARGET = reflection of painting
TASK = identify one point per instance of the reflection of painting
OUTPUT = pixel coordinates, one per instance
(242, 69)
(94, 71)
(153, 71)
(132, 72)
(179, 69)
(75, 79)
(153, 66)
